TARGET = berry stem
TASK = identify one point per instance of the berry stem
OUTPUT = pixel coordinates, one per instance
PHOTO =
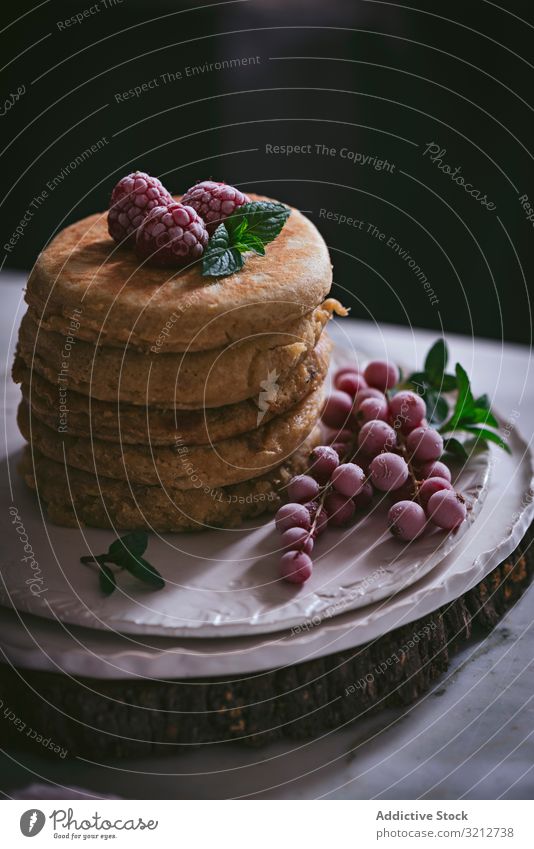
(413, 477)
(320, 504)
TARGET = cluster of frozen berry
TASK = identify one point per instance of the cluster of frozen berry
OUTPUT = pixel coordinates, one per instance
(144, 214)
(381, 442)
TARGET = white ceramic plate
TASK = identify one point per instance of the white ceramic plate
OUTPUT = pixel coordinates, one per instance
(219, 583)
(37, 643)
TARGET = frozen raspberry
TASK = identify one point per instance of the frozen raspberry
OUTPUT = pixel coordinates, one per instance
(214, 201)
(171, 235)
(131, 200)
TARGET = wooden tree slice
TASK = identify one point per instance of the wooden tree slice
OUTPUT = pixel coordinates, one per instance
(104, 719)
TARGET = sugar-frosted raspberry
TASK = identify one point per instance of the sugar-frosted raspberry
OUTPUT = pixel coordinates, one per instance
(214, 201)
(131, 200)
(171, 235)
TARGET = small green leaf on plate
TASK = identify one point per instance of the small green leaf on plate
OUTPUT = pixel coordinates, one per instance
(133, 543)
(144, 571)
(107, 581)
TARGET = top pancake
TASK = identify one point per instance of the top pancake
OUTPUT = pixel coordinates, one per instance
(122, 299)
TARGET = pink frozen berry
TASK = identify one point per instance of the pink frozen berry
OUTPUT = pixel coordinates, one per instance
(364, 497)
(342, 443)
(388, 472)
(354, 369)
(429, 487)
(368, 392)
(376, 436)
(345, 435)
(340, 509)
(435, 469)
(171, 235)
(324, 460)
(131, 200)
(348, 479)
(297, 539)
(214, 201)
(337, 409)
(373, 408)
(447, 509)
(406, 492)
(350, 382)
(302, 488)
(292, 516)
(424, 444)
(381, 374)
(406, 520)
(340, 448)
(407, 410)
(296, 567)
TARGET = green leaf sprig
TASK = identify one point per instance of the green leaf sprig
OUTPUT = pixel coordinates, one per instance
(473, 415)
(125, 553)
(470, 415)
(433, 381)
(252, 226)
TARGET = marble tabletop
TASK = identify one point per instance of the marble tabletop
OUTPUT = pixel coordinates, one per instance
(471, 736)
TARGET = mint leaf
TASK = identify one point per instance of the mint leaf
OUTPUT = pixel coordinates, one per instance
(469, 411)
(134, 543)
(88, 558)
(250, 242)
(483, 434)
(436, 362)
(437, 408)
(125, 553)
(144, 571)
(239, 229)
(106, 579)
(220, 259)
(465, 403)
(264, 219)
(455, 448)
(483, 402)
(249, 228)
(474, 416)
(448, 383)
(480, 415)
(418, 378)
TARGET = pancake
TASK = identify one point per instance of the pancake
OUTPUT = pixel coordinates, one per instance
(181, 466)
(131, 424)
(125, 300)
(76, 498)
(186, 381)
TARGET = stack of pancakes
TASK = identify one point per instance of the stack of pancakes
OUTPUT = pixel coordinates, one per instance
(157, 398)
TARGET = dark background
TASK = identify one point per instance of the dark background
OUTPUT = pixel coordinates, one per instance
(375, 77)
